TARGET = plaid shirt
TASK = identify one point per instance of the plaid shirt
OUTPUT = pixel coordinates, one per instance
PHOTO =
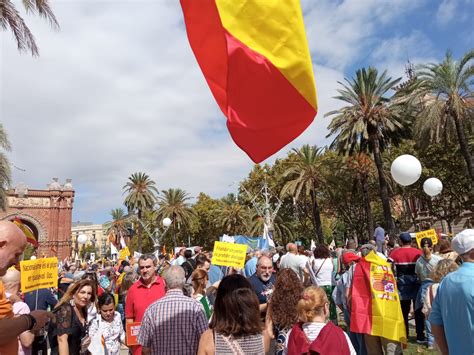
(173, 325)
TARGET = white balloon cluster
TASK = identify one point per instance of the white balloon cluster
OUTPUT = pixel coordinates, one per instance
(406, 170)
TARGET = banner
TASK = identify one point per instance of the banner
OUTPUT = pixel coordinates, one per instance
(430, 233)
(132, 330)
(375, 302)
(228, 254)
(39, 273)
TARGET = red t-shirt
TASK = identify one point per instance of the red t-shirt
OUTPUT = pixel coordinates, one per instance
(140, 296)
(405, 259)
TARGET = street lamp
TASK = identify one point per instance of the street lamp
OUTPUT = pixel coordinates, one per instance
(81, 239)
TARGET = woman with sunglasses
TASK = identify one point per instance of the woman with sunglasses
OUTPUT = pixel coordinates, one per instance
(68, 333)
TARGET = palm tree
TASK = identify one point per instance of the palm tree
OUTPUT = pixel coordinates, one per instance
(305, 177)
(445, 91)
(141, 195)
(174, 204)
(370, 119)
(119, 224)
(4, 168)
(10, 17)
(234, 218)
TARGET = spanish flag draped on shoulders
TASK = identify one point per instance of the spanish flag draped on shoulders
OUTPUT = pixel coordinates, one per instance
(375, 306)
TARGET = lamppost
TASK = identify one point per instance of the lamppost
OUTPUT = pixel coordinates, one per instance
(81, 239)
(104, 245)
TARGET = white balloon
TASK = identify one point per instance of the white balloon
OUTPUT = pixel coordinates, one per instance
(32, 257)
(166, 222)
(432, 186)
(82, 239)
(406, 169)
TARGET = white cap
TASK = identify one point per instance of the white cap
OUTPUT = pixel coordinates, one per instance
(276, 257)
(463, 242)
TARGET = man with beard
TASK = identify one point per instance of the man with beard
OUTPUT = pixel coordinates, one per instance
(262, 281)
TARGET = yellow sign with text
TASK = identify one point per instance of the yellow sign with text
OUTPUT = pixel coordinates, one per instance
(123, 253)
(430, 233)
(229, 254)
(39, 273)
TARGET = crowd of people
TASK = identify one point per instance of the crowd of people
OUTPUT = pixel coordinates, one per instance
(283, 301)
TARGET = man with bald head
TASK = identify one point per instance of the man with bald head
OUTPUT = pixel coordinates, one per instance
(12, 244)
(293, 261)
(263, 280)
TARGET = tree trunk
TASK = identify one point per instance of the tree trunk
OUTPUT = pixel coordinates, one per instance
(464, 145)
(317, 217)
(139, 231)
(368, 209)
(383, 187)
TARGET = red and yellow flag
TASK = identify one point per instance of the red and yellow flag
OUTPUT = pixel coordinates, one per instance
(30, 236)
(255, 58)
(375, 303)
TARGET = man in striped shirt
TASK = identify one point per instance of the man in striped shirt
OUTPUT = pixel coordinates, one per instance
(404, 260)
(173, 324)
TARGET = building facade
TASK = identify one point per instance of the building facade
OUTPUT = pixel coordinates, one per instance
(96, 238)
(48, 213)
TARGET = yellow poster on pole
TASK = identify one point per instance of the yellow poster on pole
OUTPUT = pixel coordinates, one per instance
(39, 273)
(430, 233)
(123, 253)
(229, 254)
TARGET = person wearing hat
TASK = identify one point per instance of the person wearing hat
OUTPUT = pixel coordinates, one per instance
(452, 314)
(428, 261)
(404, 260)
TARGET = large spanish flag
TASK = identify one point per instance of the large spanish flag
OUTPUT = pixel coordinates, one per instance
(256, 60)
(375, 303)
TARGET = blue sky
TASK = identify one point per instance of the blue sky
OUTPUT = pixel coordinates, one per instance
(117, 90)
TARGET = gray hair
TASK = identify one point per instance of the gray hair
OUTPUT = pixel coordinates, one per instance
(175, 277)
(144, 257)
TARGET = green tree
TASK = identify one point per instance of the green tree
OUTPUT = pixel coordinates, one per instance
(370, 119)
(4, 168)
(444, 94)
(141, 195)
(305, 178)
(10, 18)
(234, 217)
(207, 228)
(119, 225)
(174, 204)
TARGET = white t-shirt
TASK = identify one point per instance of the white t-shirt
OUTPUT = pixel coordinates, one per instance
(324, 276)
(294, 262)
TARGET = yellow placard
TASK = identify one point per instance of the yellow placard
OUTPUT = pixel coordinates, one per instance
(430, 233)
(123, 253)
(229, 254)
(39, 273)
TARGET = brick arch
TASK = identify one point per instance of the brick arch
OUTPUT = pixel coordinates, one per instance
(42, 231)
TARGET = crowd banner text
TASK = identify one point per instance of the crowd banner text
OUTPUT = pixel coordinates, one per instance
(228, 254)
(39, 273)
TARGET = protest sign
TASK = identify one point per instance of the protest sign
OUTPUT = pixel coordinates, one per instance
(123, 253)
(132, 330)
(228, 254)
(39, 273)
(430, 233)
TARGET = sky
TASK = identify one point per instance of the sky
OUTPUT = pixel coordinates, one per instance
(117, 90)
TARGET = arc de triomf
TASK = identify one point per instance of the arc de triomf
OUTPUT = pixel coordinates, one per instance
(48, 213)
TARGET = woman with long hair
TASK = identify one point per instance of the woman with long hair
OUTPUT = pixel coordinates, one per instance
(200, 279)
(68, 333)
(313, 333)
(235, 327)
(108, 324)
(321, 270)
(281, 311)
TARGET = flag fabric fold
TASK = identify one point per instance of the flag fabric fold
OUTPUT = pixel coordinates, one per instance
(256, 61)
(375, 303)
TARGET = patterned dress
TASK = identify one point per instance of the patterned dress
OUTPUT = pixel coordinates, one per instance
(112, 332)
(247, 344)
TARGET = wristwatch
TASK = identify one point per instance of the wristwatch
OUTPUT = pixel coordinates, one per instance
(31, 321)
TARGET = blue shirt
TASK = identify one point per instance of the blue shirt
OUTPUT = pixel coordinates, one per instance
(453, 308)
(262, 289)
(379, 234)
(215, 274)
(45, 299)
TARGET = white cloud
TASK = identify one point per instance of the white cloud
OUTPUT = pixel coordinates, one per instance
(118, 90)
(446, 12)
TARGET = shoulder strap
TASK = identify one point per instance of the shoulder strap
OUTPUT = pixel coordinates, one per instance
(317, 272)
(233, 345)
